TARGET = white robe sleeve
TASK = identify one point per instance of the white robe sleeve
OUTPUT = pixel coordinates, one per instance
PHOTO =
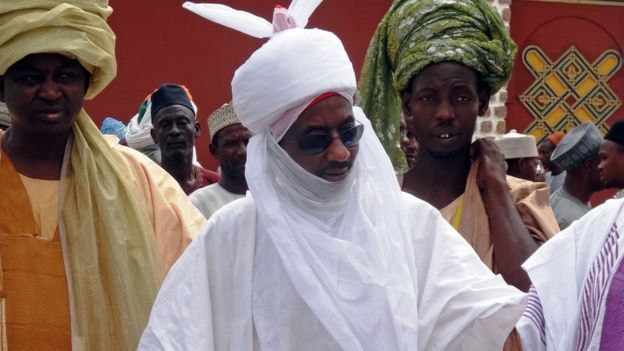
(462, 304)
(531, 326)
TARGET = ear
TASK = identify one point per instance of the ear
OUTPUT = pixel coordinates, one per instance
(484, 101)
(197, 129)
(213, 150)
(153, 134)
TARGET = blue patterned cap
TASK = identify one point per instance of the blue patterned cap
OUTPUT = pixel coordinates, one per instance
(580, 143)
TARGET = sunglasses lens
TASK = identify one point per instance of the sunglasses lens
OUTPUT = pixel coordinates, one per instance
(312, 144)
(351, 137)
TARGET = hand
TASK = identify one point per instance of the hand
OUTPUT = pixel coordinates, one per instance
(492, 166)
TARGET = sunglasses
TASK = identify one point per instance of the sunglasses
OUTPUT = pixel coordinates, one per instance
(317, 142)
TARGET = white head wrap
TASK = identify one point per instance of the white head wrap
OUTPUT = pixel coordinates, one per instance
(342, 243)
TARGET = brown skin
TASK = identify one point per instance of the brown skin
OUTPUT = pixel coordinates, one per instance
(443, 103)
(545, 150)
(409, 144)
(44, 94)
(175, 130)
(611, 165)
(585, 180)
(523, 168)
(332, 115)
(229, 147)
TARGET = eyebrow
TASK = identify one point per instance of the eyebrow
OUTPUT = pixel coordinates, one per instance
(313, 128)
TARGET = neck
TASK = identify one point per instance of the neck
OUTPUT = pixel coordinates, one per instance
(233, 185)
(181, 169)
(38, 156)
(438, 181)
(578, 186)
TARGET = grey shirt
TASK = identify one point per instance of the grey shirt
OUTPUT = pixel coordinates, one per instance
(567, 208)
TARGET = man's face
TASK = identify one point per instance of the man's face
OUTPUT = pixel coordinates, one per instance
(443, 103)
(326, 120)
(409, 145)
(594, 173)
(545, 150)
(44, 92)
(611, 165)
(175, 130)
(528, 168)
(230, 150)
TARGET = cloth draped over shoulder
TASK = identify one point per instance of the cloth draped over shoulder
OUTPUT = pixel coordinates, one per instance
(414, 34)
(532, 204)
(111, 257)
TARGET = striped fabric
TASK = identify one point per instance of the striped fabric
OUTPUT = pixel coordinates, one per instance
(595, 288)
(535, 313)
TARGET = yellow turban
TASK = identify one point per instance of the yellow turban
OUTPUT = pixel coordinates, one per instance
(74, 28)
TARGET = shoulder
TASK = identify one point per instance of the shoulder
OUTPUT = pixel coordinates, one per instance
(413, 203)
(205, 192)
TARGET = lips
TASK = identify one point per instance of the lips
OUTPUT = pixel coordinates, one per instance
(176, 145)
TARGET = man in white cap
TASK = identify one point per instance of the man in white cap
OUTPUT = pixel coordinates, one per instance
(521, 155)
(577, 154)
(326, 253)
(228, 144)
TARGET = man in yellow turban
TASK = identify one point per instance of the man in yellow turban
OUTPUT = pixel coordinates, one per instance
(87, 227)
(438, 62)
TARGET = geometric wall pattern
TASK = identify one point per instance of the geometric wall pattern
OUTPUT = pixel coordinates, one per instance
(569, 91)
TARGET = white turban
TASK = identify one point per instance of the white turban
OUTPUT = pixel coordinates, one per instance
(292, 67)
(325, 233)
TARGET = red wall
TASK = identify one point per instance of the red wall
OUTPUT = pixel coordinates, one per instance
(159, 41)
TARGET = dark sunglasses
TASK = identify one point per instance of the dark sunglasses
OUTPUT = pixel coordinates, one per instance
(317, 142)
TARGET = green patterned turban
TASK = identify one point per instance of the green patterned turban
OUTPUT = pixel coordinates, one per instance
(416, 33)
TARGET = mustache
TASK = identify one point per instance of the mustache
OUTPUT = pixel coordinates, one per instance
(338, 165)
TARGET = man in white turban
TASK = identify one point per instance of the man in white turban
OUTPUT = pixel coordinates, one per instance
(326, 253)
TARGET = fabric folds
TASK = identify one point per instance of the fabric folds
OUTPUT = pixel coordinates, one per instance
(74, 28)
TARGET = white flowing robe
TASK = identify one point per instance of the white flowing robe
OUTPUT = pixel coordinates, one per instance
(208, 299)
(571, 275)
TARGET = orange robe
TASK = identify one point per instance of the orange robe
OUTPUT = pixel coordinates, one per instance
(34, 284)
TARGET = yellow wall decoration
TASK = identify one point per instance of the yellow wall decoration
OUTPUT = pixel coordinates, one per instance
(569, 91)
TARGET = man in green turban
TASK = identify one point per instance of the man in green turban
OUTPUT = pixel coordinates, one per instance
(439, 61)
(87, 227)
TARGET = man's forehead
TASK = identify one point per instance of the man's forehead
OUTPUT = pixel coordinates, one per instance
(44, 60)
(173, 111)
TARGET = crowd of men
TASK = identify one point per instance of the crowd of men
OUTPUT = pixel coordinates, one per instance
(304, 239)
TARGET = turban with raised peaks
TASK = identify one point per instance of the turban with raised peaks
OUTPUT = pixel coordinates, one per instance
(76, 29)
(415, 34)
(290, 69)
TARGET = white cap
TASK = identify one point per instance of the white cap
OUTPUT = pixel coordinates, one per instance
(516, 145)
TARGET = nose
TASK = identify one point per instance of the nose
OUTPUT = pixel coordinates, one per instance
(445, 111)
(337, 151)
(50, 90)
(241, 150)
(175, 130)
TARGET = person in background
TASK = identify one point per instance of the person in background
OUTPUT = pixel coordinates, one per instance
(554, 175)
(611, 153)
(175, 128)
(577, 154)
(326, 253)
(88, 227)
(5, 117)
(409, 146)
(521, 155)
(459, 54)
(111, 126)
(228, 144)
